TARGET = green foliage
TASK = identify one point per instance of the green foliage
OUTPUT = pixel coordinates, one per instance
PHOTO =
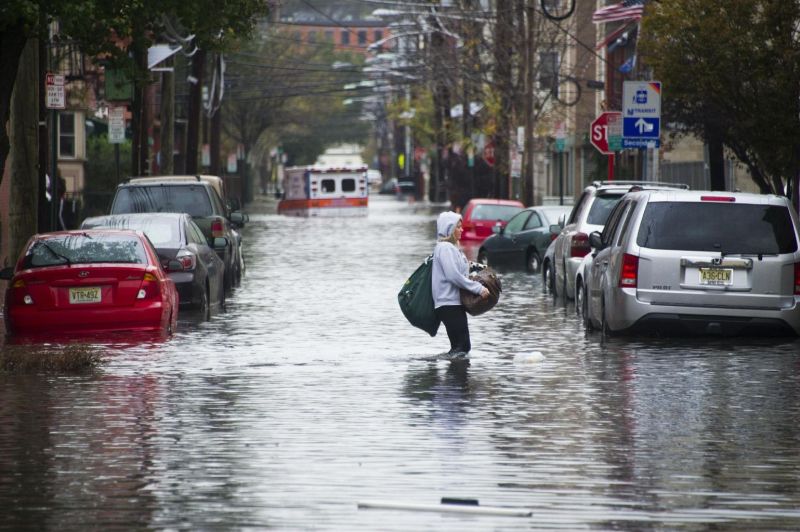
(731, 70)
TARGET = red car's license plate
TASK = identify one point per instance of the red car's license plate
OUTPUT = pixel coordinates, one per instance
(88, 294)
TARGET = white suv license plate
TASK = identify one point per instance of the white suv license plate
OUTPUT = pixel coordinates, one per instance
(716, 276)
(89, 294)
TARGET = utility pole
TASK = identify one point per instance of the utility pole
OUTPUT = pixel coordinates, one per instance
(503, 53)
(528, 182)
(139, 124)
(215, 108)
(167, 119)
(195, 106)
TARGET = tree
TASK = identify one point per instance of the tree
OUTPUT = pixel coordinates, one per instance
(731, 75)
(119, 31)
(287, 92)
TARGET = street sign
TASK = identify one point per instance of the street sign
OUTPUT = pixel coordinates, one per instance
(116, 125)
(55, 97)
(602, 130)
(641, 114)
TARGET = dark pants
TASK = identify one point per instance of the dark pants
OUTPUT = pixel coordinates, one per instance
(454, 318)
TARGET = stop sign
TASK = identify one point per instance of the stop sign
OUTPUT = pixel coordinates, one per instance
(598, 131)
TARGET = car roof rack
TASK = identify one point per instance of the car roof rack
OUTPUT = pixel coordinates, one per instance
(682, 186)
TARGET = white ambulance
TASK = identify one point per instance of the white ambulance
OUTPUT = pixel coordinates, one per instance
(324, 191)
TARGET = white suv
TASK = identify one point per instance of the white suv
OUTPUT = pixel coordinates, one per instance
(699, 262)
(588, 215)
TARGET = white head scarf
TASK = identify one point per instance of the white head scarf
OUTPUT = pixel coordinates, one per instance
(446, 225)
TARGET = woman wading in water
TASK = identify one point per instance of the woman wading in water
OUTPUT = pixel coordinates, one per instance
(449, 276)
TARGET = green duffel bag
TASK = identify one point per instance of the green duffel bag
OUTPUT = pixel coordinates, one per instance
(416, 299)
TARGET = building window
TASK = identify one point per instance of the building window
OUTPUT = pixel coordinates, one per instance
(328, 36)
(312, 36)
(378, 35)
(345, 37)
(66, 135)
(362, 38)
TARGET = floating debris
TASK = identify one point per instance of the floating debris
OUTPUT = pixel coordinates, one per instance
(464, 507)
(534, 357)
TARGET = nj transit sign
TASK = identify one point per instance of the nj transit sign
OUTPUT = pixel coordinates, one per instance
(641, 114)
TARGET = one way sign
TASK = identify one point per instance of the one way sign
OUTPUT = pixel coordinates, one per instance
(641, 114)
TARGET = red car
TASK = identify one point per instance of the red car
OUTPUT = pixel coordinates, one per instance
(89, 281)
(481, 214)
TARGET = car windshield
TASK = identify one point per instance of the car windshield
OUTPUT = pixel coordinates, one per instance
(729, 228)
(494, 212)
(162, 232)
(191, 199)
(82, 248)
(602, 206)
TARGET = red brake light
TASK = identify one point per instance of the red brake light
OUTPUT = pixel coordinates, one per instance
(729, 199)
(150, 287)
(579, 245)
(797, 278)
(629, 272)
(217, 229)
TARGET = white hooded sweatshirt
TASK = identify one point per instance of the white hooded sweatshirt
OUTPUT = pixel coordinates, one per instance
(450, 266)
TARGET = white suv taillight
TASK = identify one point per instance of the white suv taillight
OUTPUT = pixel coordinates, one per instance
(797, 278)
(579, 245)
(629, 272)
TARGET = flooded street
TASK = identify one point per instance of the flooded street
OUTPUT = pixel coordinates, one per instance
(312, 394)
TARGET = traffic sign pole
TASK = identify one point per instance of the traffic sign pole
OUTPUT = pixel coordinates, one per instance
(611, 157)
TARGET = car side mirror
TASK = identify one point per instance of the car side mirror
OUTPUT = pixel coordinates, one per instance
(595, 240)
(234, 204)
(219, 242)
(238, 218)
(6, 273)
(562, 220)
(555, 229)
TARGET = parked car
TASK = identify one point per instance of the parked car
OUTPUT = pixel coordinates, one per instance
(232, 204)
(89, 281)
(696, 262)
(522, 242)
(589, 214)
(186, 255)
(388, 187)
(405, 189)
(481, 215)
(374, 178)
(195, 197)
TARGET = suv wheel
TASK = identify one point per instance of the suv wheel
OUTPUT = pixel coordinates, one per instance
(603, 321)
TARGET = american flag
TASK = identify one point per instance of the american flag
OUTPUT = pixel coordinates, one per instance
(625, 10)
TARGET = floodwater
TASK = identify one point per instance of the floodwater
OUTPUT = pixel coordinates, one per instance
(312, 395)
